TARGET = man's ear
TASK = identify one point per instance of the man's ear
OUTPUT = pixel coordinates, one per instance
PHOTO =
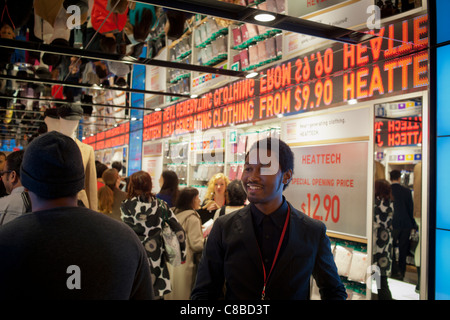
(287, 176)
(14, 176)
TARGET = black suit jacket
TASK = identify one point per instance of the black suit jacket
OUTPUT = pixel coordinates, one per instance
(403, 207)
(231, 256)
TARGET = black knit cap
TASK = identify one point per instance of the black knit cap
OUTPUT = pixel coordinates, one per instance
(52, 166)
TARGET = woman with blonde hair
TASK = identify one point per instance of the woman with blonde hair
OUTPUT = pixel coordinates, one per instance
(215, 198)
(146, 215)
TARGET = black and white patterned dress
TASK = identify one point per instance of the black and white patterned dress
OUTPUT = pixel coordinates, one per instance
(145, 218)
(382, 235)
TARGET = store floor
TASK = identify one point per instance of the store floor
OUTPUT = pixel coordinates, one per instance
(402, 290)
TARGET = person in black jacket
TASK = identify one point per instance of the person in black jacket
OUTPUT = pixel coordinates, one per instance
(403, 221)
(268, 249)
(75, 253)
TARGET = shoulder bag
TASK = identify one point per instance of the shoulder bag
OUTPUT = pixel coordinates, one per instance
(172, 250)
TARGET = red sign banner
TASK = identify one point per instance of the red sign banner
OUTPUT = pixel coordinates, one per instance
(322, 79)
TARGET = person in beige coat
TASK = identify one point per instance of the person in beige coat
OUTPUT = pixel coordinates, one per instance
(182, 278)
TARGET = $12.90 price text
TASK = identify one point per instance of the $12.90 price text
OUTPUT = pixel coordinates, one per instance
(323, 209)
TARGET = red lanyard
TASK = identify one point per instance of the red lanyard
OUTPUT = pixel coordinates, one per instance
(266, 277)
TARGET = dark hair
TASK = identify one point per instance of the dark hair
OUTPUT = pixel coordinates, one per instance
(142, 26)
(100, 168)
(101, 73)
(395, 175)
(14, 160)
(120, 81)
(140, 184)
(236, 193)
(285, 154)
(176, 21)
(170, 185)
(108, 44)
(383, 189)
(51, 59)
(186, 198)
(117, 165)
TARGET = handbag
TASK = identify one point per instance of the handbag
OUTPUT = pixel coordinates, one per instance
(172, 250)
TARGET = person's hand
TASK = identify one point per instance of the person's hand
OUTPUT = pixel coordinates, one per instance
(212, 206)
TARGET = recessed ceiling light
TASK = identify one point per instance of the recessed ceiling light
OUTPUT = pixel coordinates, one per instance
(264, 17)
(157, 109)
(252, 75)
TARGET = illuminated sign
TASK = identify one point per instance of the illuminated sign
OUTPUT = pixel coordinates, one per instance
(111, 138)
(402, 132)
(319, 80)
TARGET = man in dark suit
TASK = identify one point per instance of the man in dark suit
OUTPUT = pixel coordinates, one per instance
(268, 249)
(402, 222)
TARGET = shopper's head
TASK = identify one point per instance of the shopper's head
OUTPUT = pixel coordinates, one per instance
(144, 22)
(111, 178)
(117, 165)
(236, 193)
(273, 154)
(169, 180)
(188, 199)
(11, 173)
(100, 168)
(383, 189)
(217, 186)
(395, 175)
(140, 185)
(268, 170)
(52, 166)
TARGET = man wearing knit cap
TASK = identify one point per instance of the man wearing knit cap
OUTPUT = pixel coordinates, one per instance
(60, 250)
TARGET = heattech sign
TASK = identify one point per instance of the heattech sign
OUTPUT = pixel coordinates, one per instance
(319, 80)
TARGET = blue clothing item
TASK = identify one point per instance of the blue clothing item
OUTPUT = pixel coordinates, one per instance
(132, 14)
(167, 198)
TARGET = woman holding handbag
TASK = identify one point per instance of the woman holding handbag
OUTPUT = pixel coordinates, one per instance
(183, 277)
(146, 215)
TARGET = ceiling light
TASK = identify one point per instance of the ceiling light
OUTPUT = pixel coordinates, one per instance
(352, 101)
(251, 75)
(157, 109)
(194, 96)
(264, 17)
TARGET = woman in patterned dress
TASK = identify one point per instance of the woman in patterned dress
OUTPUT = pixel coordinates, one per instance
(382, 235)
(143, 212)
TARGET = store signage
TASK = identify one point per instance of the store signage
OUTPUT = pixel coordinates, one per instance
(322, 79)
(331, 126)
(330, 185)
(402, 132)
(111, 138)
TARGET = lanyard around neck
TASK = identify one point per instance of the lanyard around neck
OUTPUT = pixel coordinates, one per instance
(266, 276)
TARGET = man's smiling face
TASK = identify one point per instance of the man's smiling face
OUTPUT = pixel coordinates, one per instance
(262, 188)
